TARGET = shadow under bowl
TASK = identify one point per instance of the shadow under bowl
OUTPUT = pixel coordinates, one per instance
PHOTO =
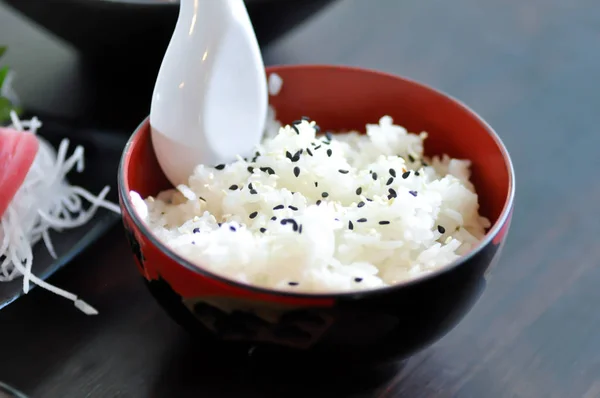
(387, 323)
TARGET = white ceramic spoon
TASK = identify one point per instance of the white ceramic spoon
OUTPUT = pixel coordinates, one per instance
(210, 99)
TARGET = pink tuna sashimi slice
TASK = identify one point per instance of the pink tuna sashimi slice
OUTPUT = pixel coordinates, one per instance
(17, 153)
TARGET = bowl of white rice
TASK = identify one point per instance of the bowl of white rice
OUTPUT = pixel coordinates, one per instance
(362, 226)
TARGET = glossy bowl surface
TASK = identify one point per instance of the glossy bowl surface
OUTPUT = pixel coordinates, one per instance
(392, 322)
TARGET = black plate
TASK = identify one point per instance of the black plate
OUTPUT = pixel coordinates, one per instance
(102, 154)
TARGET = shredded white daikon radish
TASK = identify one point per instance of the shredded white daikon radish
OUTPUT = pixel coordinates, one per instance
(45, 202)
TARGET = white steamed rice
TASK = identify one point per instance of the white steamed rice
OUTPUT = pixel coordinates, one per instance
(381, 213)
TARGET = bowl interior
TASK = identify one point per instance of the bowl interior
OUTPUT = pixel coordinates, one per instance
(342, 98)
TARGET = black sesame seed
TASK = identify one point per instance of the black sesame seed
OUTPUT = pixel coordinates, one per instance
(296, 171)
(196, 230)
(324, 194)
(290, 221)
(424, 164)
(219, 224)
(413, 193)
(406, 174)
(273, 218)
(393, 172)
(358, 280)
(343, 171)
(296, 129)
(288, 155)
(293, 208)
(220, 167)
(300, 229)
(389, 181)
(329, 152)
(231, 227)
(250, 186)
(358, 190)
(374, 176)
(316, 184)
(296, 156)
(297, 122)
(253, 214)
(392, 193)
(369, 200)
(361, 220)
(329, 136)
(411, 158)
(309, 152)
(250, 169)
(263, 230)
(201, 198)
(253, 191)
(361, 204)
(318, 202)
(305, 118)
(233, 187)
(267, 170)
(193, 243)
(257, 154)
(278, 207)
(293, 283)
(317, 147)
(317, 129)
(441, 229)
(384, 222)
(417, 173)
(350, 225)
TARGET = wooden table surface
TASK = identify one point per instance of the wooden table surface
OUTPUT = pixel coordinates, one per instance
(532, 69)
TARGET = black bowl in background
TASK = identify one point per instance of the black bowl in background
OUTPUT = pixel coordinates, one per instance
(123, 42)
(96, 27)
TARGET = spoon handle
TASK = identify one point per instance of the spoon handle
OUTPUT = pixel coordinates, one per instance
(200, 29)
(210, 98)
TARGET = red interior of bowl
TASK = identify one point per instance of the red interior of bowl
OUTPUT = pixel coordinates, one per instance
(341, 98)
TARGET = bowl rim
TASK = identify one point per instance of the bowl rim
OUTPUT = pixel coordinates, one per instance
(5, 388)
(500, 223)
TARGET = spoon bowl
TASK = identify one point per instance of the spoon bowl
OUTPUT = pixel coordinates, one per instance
(210, 99)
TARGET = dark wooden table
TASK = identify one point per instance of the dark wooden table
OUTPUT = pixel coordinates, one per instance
(532, 69)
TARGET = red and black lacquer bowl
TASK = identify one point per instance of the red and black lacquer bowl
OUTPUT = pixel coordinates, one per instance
(392, 322)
